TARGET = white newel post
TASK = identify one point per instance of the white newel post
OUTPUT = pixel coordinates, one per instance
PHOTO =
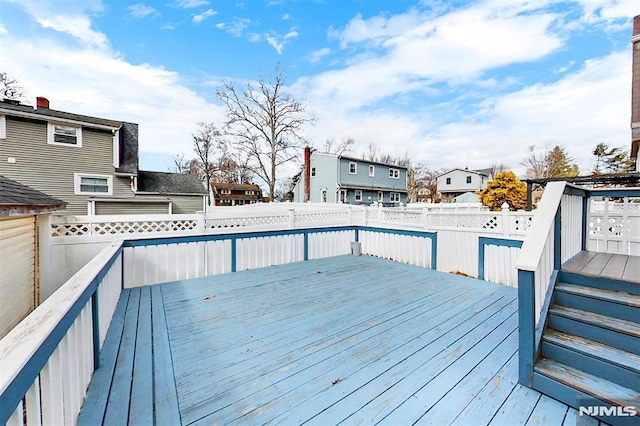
(44, 256)
(201, 228)
(364, 215)
(425, 219)
(292, 218)
(349, 216)
(505, 219)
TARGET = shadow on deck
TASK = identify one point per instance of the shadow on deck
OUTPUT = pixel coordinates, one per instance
(343, 339)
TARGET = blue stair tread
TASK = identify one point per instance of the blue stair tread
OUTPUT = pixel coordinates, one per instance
(598, 350)
(619, 325)
(597, 387)
(620, 297)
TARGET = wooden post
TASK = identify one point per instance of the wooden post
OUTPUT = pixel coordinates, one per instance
(526, 326)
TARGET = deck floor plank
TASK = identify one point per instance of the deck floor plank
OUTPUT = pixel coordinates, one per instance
(632, 269)
(95, 404)
(165, 397)
(141, 406)
(345, 339)
(548, 411)
(615, 266)
(117, 411)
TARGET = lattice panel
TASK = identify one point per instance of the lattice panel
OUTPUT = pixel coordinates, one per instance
(121, 228)
(614, 228)
(403, 217)
(520, 223)
(322, 217)
(235, 222)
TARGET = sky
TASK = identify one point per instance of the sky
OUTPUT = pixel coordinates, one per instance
(449, 83)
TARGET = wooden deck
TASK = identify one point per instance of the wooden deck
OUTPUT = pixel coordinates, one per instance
(618, 266)
(340, 340)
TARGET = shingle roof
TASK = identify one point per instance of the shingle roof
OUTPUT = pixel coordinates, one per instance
(47, 113)
(236, 186)
(169, 183)
(13, 193)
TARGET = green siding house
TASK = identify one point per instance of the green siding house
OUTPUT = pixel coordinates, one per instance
(341, 179)
(89, 163)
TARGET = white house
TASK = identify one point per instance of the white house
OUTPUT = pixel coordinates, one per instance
(459, 181)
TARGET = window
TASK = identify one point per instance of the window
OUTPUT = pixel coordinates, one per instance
(62, 134)
(343, 195)
(3, 126)
(225, 191)
(249, 193)
(380, 196)
(394, 173)
(353, 168)
(93, 184)
(372, 171)
(358, 195)
(323, 195)
(395, 197)
(313, 172)
(468, 179)
(448, 181)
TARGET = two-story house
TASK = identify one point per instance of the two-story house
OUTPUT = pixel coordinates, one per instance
(90, 163)
(235, 194)
(460, 181)
(340, 179)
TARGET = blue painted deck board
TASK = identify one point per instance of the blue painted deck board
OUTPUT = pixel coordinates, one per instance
(323, 342)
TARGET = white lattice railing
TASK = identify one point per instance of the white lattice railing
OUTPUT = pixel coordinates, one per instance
(614, 225)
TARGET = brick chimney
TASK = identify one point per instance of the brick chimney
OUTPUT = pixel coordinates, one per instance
(635, 92)
(307, 174)
(42, 102)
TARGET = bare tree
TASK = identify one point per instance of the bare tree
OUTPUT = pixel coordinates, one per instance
(10, 88)
(182, 165)
(266, 123)
(535, 163)
(345, 146)
(497, 168)
(206, 142)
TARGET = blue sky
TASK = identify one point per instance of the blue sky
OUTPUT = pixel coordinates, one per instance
(450, 83)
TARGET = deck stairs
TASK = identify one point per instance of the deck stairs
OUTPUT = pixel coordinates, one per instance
(590, 348)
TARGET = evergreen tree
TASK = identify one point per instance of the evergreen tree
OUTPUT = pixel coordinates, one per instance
(504, 188)
(611, 160)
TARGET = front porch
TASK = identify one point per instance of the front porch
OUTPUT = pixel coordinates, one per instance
(342, 339)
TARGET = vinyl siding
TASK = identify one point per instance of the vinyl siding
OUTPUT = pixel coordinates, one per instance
(50, 168)
(381, 178)
(459, 181)
(326, 178)
(186, 204)
(114, 207)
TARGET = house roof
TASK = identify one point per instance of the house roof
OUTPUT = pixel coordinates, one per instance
(169, 183)
(362, 160)
(28, 111)
(128, 154)
(236, 186)
(481, 172)
(13, 193)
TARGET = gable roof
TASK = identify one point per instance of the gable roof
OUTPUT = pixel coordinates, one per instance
(27, 111)
(170, 183)
(481, 172)
(14, 194)
(235, 186)
(362, 160)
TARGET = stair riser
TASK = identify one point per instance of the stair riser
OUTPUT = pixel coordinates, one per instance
(569, 396)
(593, 332)
(598, 306)
(596, 366)
(599, 282)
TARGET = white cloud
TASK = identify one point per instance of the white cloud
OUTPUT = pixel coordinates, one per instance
(76, 26)
(278, 42)
(236, 27)
(3, 30)
(189, 4)
(198, 19)
(141, 10)
(317, 55)
(98, 82)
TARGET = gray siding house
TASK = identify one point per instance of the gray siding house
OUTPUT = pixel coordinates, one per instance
(89, 163)
(340, 179)
(457, 182)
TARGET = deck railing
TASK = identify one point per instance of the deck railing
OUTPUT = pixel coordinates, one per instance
(49, 358)
(564, 225)
(614, 221)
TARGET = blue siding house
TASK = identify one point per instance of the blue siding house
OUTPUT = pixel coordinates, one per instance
(340, 179)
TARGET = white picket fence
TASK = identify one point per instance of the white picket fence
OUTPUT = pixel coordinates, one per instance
(614, 226)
